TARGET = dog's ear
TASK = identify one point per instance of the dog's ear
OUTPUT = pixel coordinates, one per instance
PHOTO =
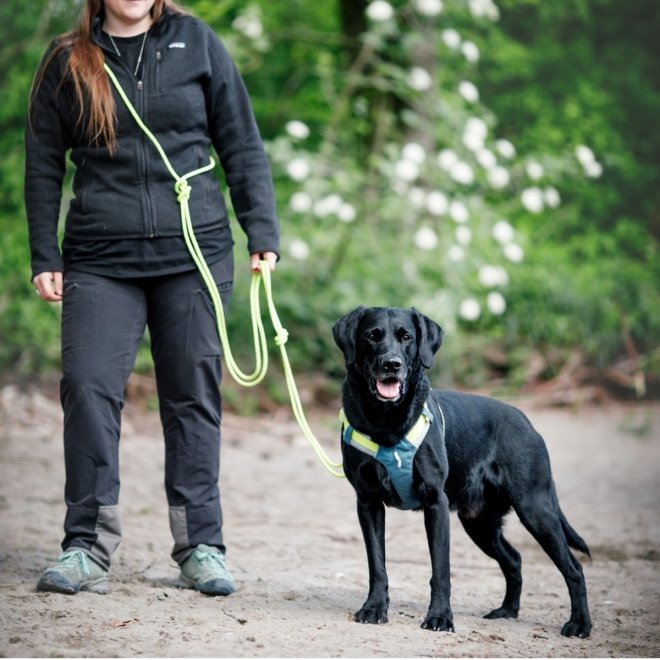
(344, 332)
(429, 337)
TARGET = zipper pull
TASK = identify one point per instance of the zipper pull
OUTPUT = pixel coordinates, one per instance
(140, 85)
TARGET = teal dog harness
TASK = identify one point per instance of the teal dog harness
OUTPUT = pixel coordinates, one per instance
(398, 459)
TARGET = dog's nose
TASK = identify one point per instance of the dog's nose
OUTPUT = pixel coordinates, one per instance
(393, 363)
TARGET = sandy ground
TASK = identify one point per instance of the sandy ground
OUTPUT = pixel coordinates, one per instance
(296, 551)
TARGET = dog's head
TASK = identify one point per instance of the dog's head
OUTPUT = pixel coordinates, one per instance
(385, 345)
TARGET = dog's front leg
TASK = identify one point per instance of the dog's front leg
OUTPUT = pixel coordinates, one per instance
(436, 520)
(371, 514)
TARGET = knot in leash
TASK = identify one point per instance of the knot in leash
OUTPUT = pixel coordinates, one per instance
(281, 337)
(182, 189)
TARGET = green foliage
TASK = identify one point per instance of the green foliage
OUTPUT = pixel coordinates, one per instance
(534, 243)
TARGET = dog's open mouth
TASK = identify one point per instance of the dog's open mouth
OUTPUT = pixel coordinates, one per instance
(389, 388)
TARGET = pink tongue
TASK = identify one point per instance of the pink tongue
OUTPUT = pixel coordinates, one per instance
(388, 390)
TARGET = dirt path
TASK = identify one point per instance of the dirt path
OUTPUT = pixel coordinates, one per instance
(296, 551)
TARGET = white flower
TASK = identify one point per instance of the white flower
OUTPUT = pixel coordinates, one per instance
(551, 196)
(506, 149)
(496, 303)
(426, 238)
(469, 310)
(498, 177)
(475, 133)
(502, 232)
(451, 38)
(429, 7)
(437, 203)
(298, 169)
(327, 205)
(584, 155)
(484, 9)
(486, 158)
(473, 141)
(458, 212)
(532, 199)
(447, 159)
(346, 212)
(470, 51)
(534, 170)
(420, 79)
(250, 26)
(492, 276)
(477, 126)
(463, 235)
(593, 170)
(468, 91)
(406, 170)
(417, 197)
(297, 129)
(414, 152)
(301, 202)
(456, 253)
(298, 249)
(513, 252)
(380, 10)
(462, 173)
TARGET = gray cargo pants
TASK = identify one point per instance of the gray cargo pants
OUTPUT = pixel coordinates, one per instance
(103, 320)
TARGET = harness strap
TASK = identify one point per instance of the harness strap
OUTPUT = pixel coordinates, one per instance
(398, 459)
(364, 443)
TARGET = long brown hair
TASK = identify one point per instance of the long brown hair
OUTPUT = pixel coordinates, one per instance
(85, 70)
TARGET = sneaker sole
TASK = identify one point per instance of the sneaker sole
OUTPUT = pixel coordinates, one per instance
(99, 586)
(213, 588)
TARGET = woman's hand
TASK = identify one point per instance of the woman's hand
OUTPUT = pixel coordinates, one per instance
(49, 286)
(269, 257)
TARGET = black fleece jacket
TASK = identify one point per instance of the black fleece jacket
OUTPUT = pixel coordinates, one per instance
(192, 98)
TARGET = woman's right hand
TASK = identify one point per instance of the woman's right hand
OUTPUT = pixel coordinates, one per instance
(49, 286)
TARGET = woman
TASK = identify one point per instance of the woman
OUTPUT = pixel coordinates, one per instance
(124, 265)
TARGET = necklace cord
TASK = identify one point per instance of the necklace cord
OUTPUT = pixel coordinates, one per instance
(183, 190)
(139, 59)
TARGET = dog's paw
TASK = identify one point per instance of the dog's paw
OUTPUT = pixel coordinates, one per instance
(371, 615)
(439, 623)
(502, 613)
(579, 628)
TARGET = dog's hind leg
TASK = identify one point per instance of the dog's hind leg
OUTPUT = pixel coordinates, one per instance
(540, 514)
(486, 531)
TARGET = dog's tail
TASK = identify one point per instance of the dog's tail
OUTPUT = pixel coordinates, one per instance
(572, 537)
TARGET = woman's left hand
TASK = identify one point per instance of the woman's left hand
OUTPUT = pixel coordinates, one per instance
(269, 257)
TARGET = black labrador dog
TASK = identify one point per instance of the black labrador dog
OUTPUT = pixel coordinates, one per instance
(412, 447)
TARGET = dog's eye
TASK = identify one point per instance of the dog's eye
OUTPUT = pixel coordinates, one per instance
(406, 336)
(372, 335)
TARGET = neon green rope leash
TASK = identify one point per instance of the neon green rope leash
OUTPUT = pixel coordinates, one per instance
(182, 189)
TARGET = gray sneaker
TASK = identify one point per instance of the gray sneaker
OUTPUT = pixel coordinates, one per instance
(75, 571)
(205, 571)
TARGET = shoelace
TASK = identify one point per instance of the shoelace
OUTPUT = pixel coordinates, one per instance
(70, 561)
(212, 559)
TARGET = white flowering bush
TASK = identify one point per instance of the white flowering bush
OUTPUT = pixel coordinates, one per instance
(410, 195)
(423, 214)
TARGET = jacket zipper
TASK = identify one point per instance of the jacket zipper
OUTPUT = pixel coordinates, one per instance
(144, 161)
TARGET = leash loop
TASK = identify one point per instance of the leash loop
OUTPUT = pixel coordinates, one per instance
(183, 191)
